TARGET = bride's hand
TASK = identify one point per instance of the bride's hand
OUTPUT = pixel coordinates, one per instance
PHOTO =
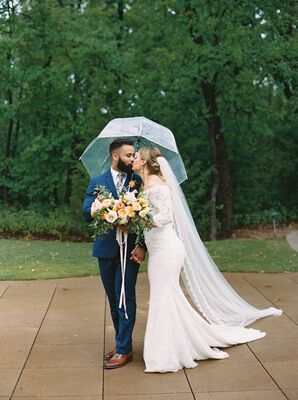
(138, 255)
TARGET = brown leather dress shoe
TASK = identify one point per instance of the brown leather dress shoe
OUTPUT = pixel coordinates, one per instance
(110, 354)
(118, 360)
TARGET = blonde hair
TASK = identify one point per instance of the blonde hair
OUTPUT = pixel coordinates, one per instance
(150, 154)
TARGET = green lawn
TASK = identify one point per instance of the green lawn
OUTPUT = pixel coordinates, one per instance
(41, 259)
(274, 255)
(38, 259)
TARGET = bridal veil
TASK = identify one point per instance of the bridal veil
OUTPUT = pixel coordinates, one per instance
(211, 293)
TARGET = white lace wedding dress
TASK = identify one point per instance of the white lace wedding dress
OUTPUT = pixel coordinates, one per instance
(176, 334)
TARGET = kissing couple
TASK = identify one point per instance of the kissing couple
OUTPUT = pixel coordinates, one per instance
(177, 335)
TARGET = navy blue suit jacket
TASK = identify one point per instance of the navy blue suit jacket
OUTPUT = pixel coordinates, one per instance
(107, 246)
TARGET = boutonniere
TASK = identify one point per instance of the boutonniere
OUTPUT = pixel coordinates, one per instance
(132, 183)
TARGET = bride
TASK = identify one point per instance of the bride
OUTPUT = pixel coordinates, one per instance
(176, 334)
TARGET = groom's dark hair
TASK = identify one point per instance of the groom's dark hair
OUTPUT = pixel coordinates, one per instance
(119, 143)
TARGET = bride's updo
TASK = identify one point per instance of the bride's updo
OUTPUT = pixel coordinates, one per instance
(150, 154)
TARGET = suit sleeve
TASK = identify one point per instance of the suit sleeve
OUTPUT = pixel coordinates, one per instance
(89, 198)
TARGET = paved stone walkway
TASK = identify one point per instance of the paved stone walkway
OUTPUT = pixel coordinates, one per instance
(53, 335)
(292, 239)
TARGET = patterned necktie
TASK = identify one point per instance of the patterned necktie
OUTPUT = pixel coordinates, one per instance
(120, 180)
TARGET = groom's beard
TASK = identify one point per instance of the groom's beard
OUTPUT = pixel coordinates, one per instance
(123, 167)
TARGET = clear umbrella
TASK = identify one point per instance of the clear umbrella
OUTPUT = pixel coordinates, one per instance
(144, 132)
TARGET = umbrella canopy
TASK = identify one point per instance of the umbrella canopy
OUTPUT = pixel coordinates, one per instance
(144, 132)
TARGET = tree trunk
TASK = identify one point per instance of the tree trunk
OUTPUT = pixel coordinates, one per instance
(10, 10)
(213, 227)
(120, 9)
(219, 158)
(225, 188)
(220, 164)
(15, 139)
(68, 186)
(7, 155)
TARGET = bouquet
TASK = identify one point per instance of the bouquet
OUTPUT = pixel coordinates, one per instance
(129, 211)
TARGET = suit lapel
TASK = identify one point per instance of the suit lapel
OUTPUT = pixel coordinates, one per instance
(110, 184)
(127, 180)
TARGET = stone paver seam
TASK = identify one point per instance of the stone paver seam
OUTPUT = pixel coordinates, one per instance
(4, 291)
(17, 382)
(268, 372)
(293, 280)
(271, 301)
(104, 348)
(252, 349)
(193, 395)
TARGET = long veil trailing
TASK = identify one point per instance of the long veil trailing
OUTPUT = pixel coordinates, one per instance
(218, 302)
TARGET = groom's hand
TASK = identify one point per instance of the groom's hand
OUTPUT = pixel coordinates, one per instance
(138, 255)
(123, 228)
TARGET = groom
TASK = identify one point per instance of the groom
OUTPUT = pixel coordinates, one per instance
(106, 249)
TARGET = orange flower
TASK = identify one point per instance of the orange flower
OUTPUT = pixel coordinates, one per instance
(102, 217)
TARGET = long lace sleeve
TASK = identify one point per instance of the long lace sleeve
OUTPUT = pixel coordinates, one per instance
(160, 198)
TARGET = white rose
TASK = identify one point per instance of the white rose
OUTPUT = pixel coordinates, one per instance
(106, 203)
(130, 196)
(143, 212)
(96, 206)
(136, 206)
(111, 216)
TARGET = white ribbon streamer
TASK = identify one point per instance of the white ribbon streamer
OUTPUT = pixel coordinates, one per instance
(121, 238)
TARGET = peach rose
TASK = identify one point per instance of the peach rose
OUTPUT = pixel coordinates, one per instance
(120, 205)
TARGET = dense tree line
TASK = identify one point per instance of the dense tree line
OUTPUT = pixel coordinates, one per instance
(221, 75)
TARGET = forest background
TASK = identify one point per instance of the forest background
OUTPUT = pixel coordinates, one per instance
(220, 74)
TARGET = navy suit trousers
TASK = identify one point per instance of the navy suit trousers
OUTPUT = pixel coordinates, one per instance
(110, 272)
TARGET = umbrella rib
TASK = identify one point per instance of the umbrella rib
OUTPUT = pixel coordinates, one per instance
(106, 158)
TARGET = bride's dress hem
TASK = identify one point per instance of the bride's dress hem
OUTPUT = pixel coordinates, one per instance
(217, 355)
(187, 365)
